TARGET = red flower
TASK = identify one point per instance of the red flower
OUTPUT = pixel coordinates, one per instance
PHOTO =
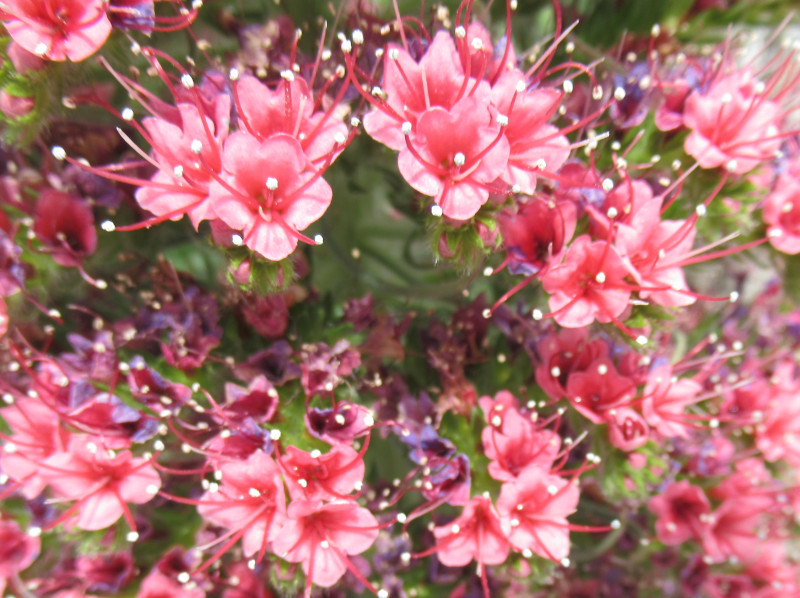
(17, 551)
(57, 29)
(65, 226)
(782, 211)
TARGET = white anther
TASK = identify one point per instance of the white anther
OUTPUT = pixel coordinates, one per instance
(612, 212)
(460, 32)
(488, 271)
(355, 122)
(619, 94)
(275, 434)
(183, 577)
(302, 483)
(59, 153)
(497, 421)
(132, 536)
(316, 454)
(254, 492)
(436, 210)
(701, 210)
(127, 114)
(655, 30)
(108, 226)
(187, 81)
(676, 165)
(565, 562)
(340, 138)
(369, 421)
(597, 92)
(476, 43)
(537, 314)
(237, 240)
(714, 423)
(726, 98)
(287, 74)
(272, 183)
(159, 445)
(615, 524)
(569, 48)
(455, 528)
(318, 240)
(34, 532)
(401, 518)
(383, 593)
(641, 339)
(358, 37)
(734, 296)
(568, 86)
(196, 146)
(552, 490)
(406, 128)
(608, 185)
(600, 277)
(486, 313)
(459, 159)
(339, 419)
(602, 369)
(502, 120)
(233, 74)
(731, 166)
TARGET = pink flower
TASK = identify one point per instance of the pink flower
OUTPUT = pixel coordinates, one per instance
(512, 440)
(627, 429)
(683, 512)
(269, 192)
(589, 285)
(101, 480)
(665, 399)
(158, 585)
(322, 476)
(782, 211)
(17, 550)
(187, 145)
(454, 155)
(249, 502)
(320, 536)
(534, 511)
(290, 109)
(36, 435)
(534, 145)
(411, 89)
(476, 534)
(733, 124)
(599, 390)
(58, 29)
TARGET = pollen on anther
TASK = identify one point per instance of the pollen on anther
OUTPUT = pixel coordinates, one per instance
(108, 226)
(318, 240)
(600, 277)
(436, 210)
(272, 183)
(59, 153)
(196, 146)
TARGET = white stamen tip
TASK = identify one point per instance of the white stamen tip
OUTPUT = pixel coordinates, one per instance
(254, 492)
(600, 277)
(183, 577)
(461, 33)
(619, 94)
(196, 146)
(127, 114)
(316, 454)
(565, 562)
(459, 159)
(436, 210)
(641, 339)
(701, 210)
(608, 185)
(734, 296)
(288, 75)
(59, 153)
(187, 81)
(358, 37)
(568, 86)
(615, 524)
(275, 434)
(612, 212)
(401, 518)
(272, 183)
(132, 536)
(233, 74)
(108, 226)
(318, 240)
(237, 240)
(502, 120)
(655, 30)
(34, 532)
(537, 314)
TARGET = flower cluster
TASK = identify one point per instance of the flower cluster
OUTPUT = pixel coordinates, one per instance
(553, 332)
